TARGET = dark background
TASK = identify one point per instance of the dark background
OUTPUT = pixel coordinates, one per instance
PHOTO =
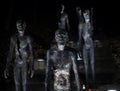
(42, 18)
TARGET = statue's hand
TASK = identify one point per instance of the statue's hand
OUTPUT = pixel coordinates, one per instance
(31, 73)
(6, 73)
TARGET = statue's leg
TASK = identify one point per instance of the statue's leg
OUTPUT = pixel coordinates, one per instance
(17, 78)
(85, 59)
(24, 78)
(92, 63)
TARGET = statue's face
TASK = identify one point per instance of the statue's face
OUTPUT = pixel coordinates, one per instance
(86, 15)
(20, 27)
(61, 37)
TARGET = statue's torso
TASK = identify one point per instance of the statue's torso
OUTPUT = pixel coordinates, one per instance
(62, 62)
(21, 50)
(62, 23)
(86, 34)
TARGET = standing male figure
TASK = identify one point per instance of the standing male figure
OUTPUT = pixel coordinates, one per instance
(20, 47)
(64, 21)
(85, 29)
(60, 61)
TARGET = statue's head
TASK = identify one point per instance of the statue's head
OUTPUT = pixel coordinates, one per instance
(86, 15)
(61, 37)
(21, 25)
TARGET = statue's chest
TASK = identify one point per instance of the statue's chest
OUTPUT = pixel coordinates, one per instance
(61, 59)
(23, 42)
(86, 35)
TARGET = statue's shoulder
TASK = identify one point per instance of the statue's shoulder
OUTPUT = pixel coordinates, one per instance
(71, 51)
(53, 49)
(29, 38)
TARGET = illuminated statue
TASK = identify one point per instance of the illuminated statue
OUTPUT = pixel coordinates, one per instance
(64, 21)
(79, 43)
(20, 48)
(60, 61)
(85, 29)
